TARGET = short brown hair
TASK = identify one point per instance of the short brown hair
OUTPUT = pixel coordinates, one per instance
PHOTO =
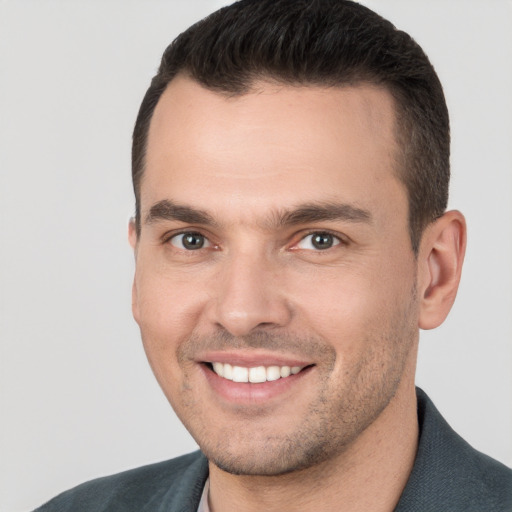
(325, 43)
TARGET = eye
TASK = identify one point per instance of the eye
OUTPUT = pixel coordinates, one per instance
(319, 241)
(190, 241)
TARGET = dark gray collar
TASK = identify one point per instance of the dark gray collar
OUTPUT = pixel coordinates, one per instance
(449, 475)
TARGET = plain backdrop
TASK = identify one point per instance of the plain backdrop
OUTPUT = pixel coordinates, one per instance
(78, 399)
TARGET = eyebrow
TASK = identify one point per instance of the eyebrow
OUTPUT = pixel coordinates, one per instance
(302, 214)
(167, 210)
(318, 212)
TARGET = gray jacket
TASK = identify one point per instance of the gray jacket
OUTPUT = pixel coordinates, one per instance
(448, 476)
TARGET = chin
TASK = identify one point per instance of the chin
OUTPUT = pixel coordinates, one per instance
(268, 462)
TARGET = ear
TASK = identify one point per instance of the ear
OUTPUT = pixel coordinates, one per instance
(133, 239)
(440, 265)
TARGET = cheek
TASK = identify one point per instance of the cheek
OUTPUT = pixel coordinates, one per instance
(166, 317)
(167, 314)
(335, 297)
(349, 306)
(167, 302)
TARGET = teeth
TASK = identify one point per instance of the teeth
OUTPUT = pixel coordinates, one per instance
(255, 375)
(240, 374)
(273, 373)
(227, 372)
(258, 374)
(219, 369)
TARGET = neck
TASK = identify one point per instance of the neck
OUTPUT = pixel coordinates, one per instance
(370, 474)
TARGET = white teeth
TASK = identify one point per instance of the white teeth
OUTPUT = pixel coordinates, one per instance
(256, 374)
(273, 373)
(285, 371)
(228, 371)
(219, 369)
(240, 374)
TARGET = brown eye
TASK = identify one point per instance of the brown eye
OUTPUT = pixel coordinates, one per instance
(318, 241)
(189, 241)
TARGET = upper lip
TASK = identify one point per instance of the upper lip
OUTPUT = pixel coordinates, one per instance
(252, 359)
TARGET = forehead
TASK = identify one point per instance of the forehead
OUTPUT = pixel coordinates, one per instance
(274, 146)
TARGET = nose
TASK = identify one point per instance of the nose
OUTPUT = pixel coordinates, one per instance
(249, 296)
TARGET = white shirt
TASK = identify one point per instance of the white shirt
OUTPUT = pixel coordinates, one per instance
(203, 504)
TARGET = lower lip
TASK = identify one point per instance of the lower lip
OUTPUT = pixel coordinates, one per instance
(248, 392)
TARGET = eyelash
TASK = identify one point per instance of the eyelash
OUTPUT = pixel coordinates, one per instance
(167, 239)
(339, 240)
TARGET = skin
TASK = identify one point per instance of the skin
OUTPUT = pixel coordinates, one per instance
(254, 176)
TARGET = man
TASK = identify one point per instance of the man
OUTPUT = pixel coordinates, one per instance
(291, 168)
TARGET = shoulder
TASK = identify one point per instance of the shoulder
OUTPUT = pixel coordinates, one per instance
(449, 474)
(154, 487)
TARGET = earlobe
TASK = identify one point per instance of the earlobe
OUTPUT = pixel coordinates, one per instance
(132, 233)
(133, 239)
(441, 257)
(135, 303)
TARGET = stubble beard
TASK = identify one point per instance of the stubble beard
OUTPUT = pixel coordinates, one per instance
(333, 420)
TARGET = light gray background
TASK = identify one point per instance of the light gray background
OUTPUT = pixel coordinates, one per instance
(77, 397)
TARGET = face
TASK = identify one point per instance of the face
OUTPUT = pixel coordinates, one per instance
(275, 281)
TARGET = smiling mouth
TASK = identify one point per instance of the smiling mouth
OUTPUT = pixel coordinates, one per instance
(256, 374)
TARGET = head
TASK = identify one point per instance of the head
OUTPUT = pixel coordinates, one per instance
(330, 43)
(290, 165)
